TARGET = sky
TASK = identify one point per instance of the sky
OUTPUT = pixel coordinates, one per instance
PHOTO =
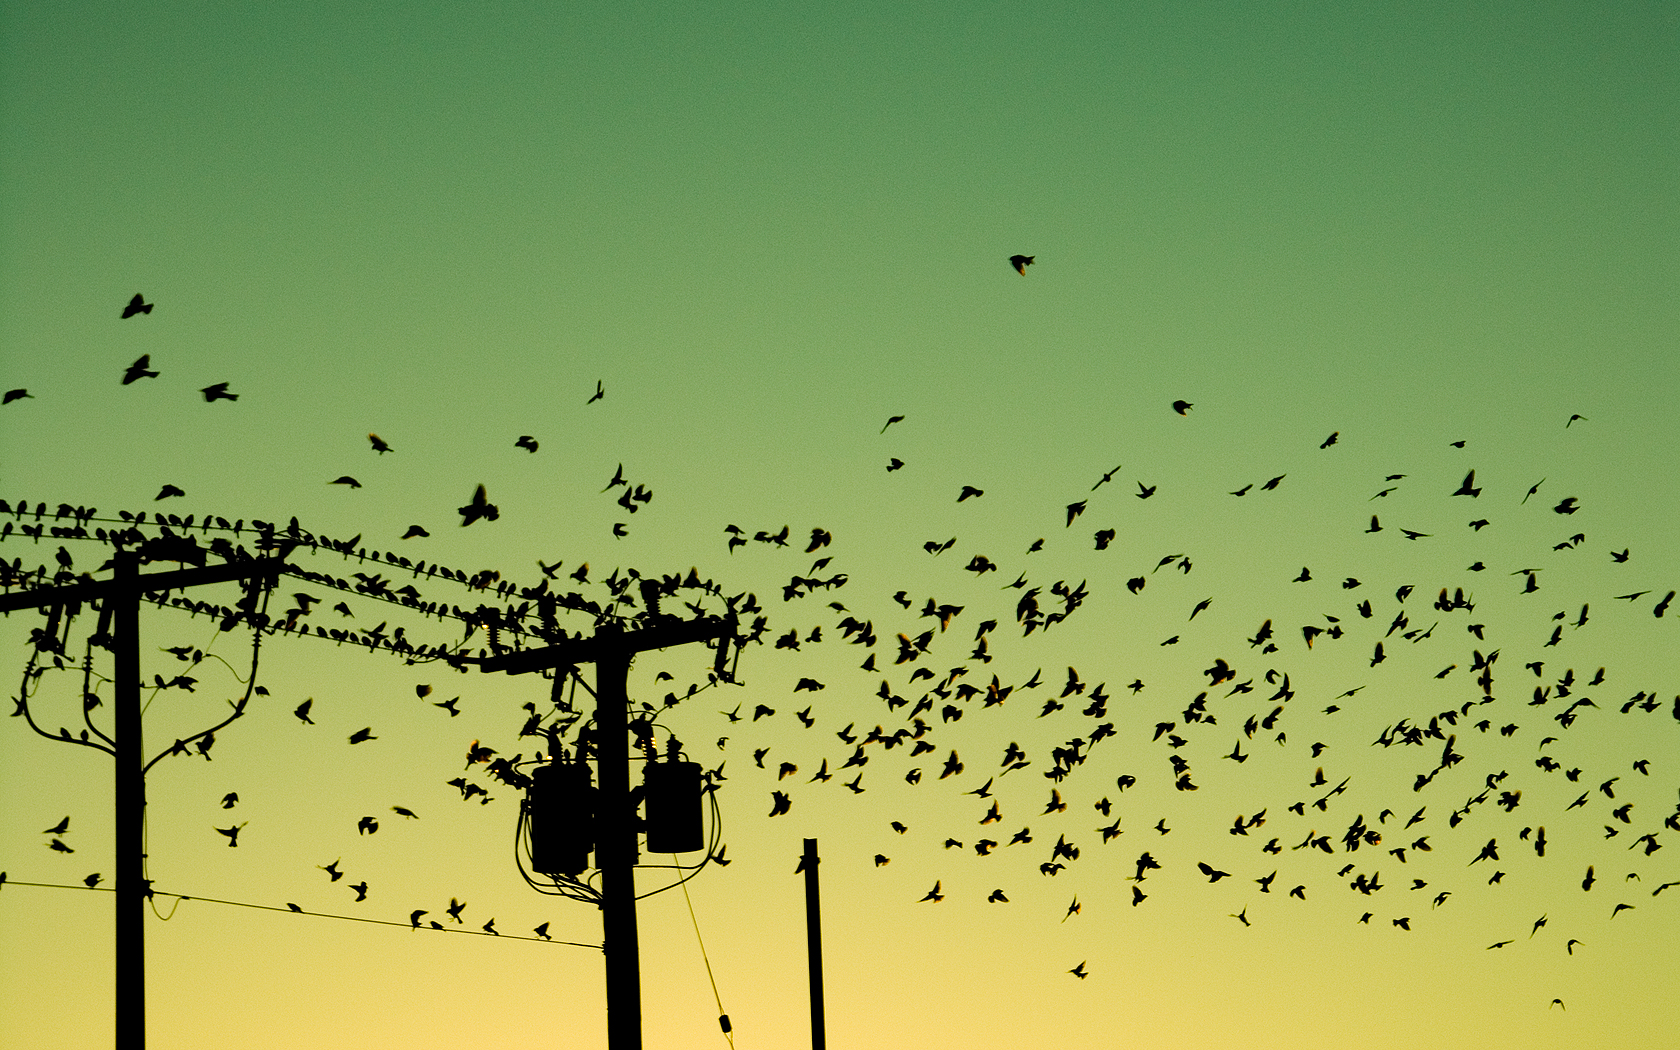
(765, 230)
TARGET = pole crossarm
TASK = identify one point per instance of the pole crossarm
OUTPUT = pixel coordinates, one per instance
(607, 646)
(175, 579)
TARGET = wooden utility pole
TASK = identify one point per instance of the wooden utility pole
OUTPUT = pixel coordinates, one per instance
(813, 942)
(122, 593)
(616, 835)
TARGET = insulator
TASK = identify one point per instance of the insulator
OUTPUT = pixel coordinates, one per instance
(675, 821)
(560, 805)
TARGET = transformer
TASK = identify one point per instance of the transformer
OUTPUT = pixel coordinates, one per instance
(672, 793)
(560, 808)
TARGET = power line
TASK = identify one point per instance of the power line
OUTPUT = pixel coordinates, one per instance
(290, 910)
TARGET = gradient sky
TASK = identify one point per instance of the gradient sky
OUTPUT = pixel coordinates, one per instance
(765, 228)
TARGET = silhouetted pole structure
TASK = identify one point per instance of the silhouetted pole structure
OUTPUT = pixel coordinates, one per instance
(128, 790)
(122, 592)
(616, 825)
(813, 942)
(615, 843)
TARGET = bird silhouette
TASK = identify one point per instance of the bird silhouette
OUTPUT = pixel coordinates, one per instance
(169, 490)
(16, 394)
(345, 479)
(479, 508)
(378, 444)
(140, 369)
(58, 829)
(1021, 262)
(218, 392)
(890, 421)
(529, 444)
(600, 392)
(136, 305)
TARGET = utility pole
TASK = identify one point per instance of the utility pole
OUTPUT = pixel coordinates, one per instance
(813, 942)
(616, 850)
(122, 594)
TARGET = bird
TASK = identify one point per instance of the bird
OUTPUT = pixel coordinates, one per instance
(362, 735)
(136, 305)
(218, 392)
(1468, 486)
(367, 826)
(890, 421)
(1079, 971)
(230, 799)
(933, 895)
(480, 507)
(302, 712)
(542, 931)
(529, 444)
(58, 829)
(15, 395)
(232, 833)
(93, 880)
(968, 491)
(333, 874)
(1021, 262)
(1182, 407)
(414, 917)
(361, 889)
(413, 531)
(139, 370)
(345, 479)
(1331, 440)
(600, 392)
(404, 811)
(167, 491)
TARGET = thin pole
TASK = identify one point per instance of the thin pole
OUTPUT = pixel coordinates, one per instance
(615, 844)
(813, 943)
(129, 792)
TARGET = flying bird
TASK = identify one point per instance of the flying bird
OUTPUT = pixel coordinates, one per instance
(139, 369)
(1021, 262)
(890, 421)
(413, 531)
(218, 392)
(600, 392)
(136, 305)
(345, 479)
(1182, 407)
(379, 444)
(529, 444)
(168, 491)
(15, 395)
(480, 507)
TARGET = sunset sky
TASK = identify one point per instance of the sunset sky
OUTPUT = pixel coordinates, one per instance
(1445, 234)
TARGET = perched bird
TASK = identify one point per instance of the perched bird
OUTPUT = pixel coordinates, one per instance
(136, 305)
(139, 369)
(1021, 262)
(218, 392)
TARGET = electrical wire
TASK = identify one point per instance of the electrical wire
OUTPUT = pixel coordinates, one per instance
(290, 910)
(723, 1015)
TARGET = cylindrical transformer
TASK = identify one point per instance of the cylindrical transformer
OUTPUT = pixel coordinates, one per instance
(561, 810)
(675, 823)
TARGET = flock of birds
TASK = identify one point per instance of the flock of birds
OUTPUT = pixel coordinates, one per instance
(1243, 708)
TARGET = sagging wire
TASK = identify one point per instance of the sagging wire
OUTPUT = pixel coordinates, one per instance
(292, 909)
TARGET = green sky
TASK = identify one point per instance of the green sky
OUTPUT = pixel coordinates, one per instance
(765, 228)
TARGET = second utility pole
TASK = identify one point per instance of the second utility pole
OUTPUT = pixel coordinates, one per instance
(616, 824)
